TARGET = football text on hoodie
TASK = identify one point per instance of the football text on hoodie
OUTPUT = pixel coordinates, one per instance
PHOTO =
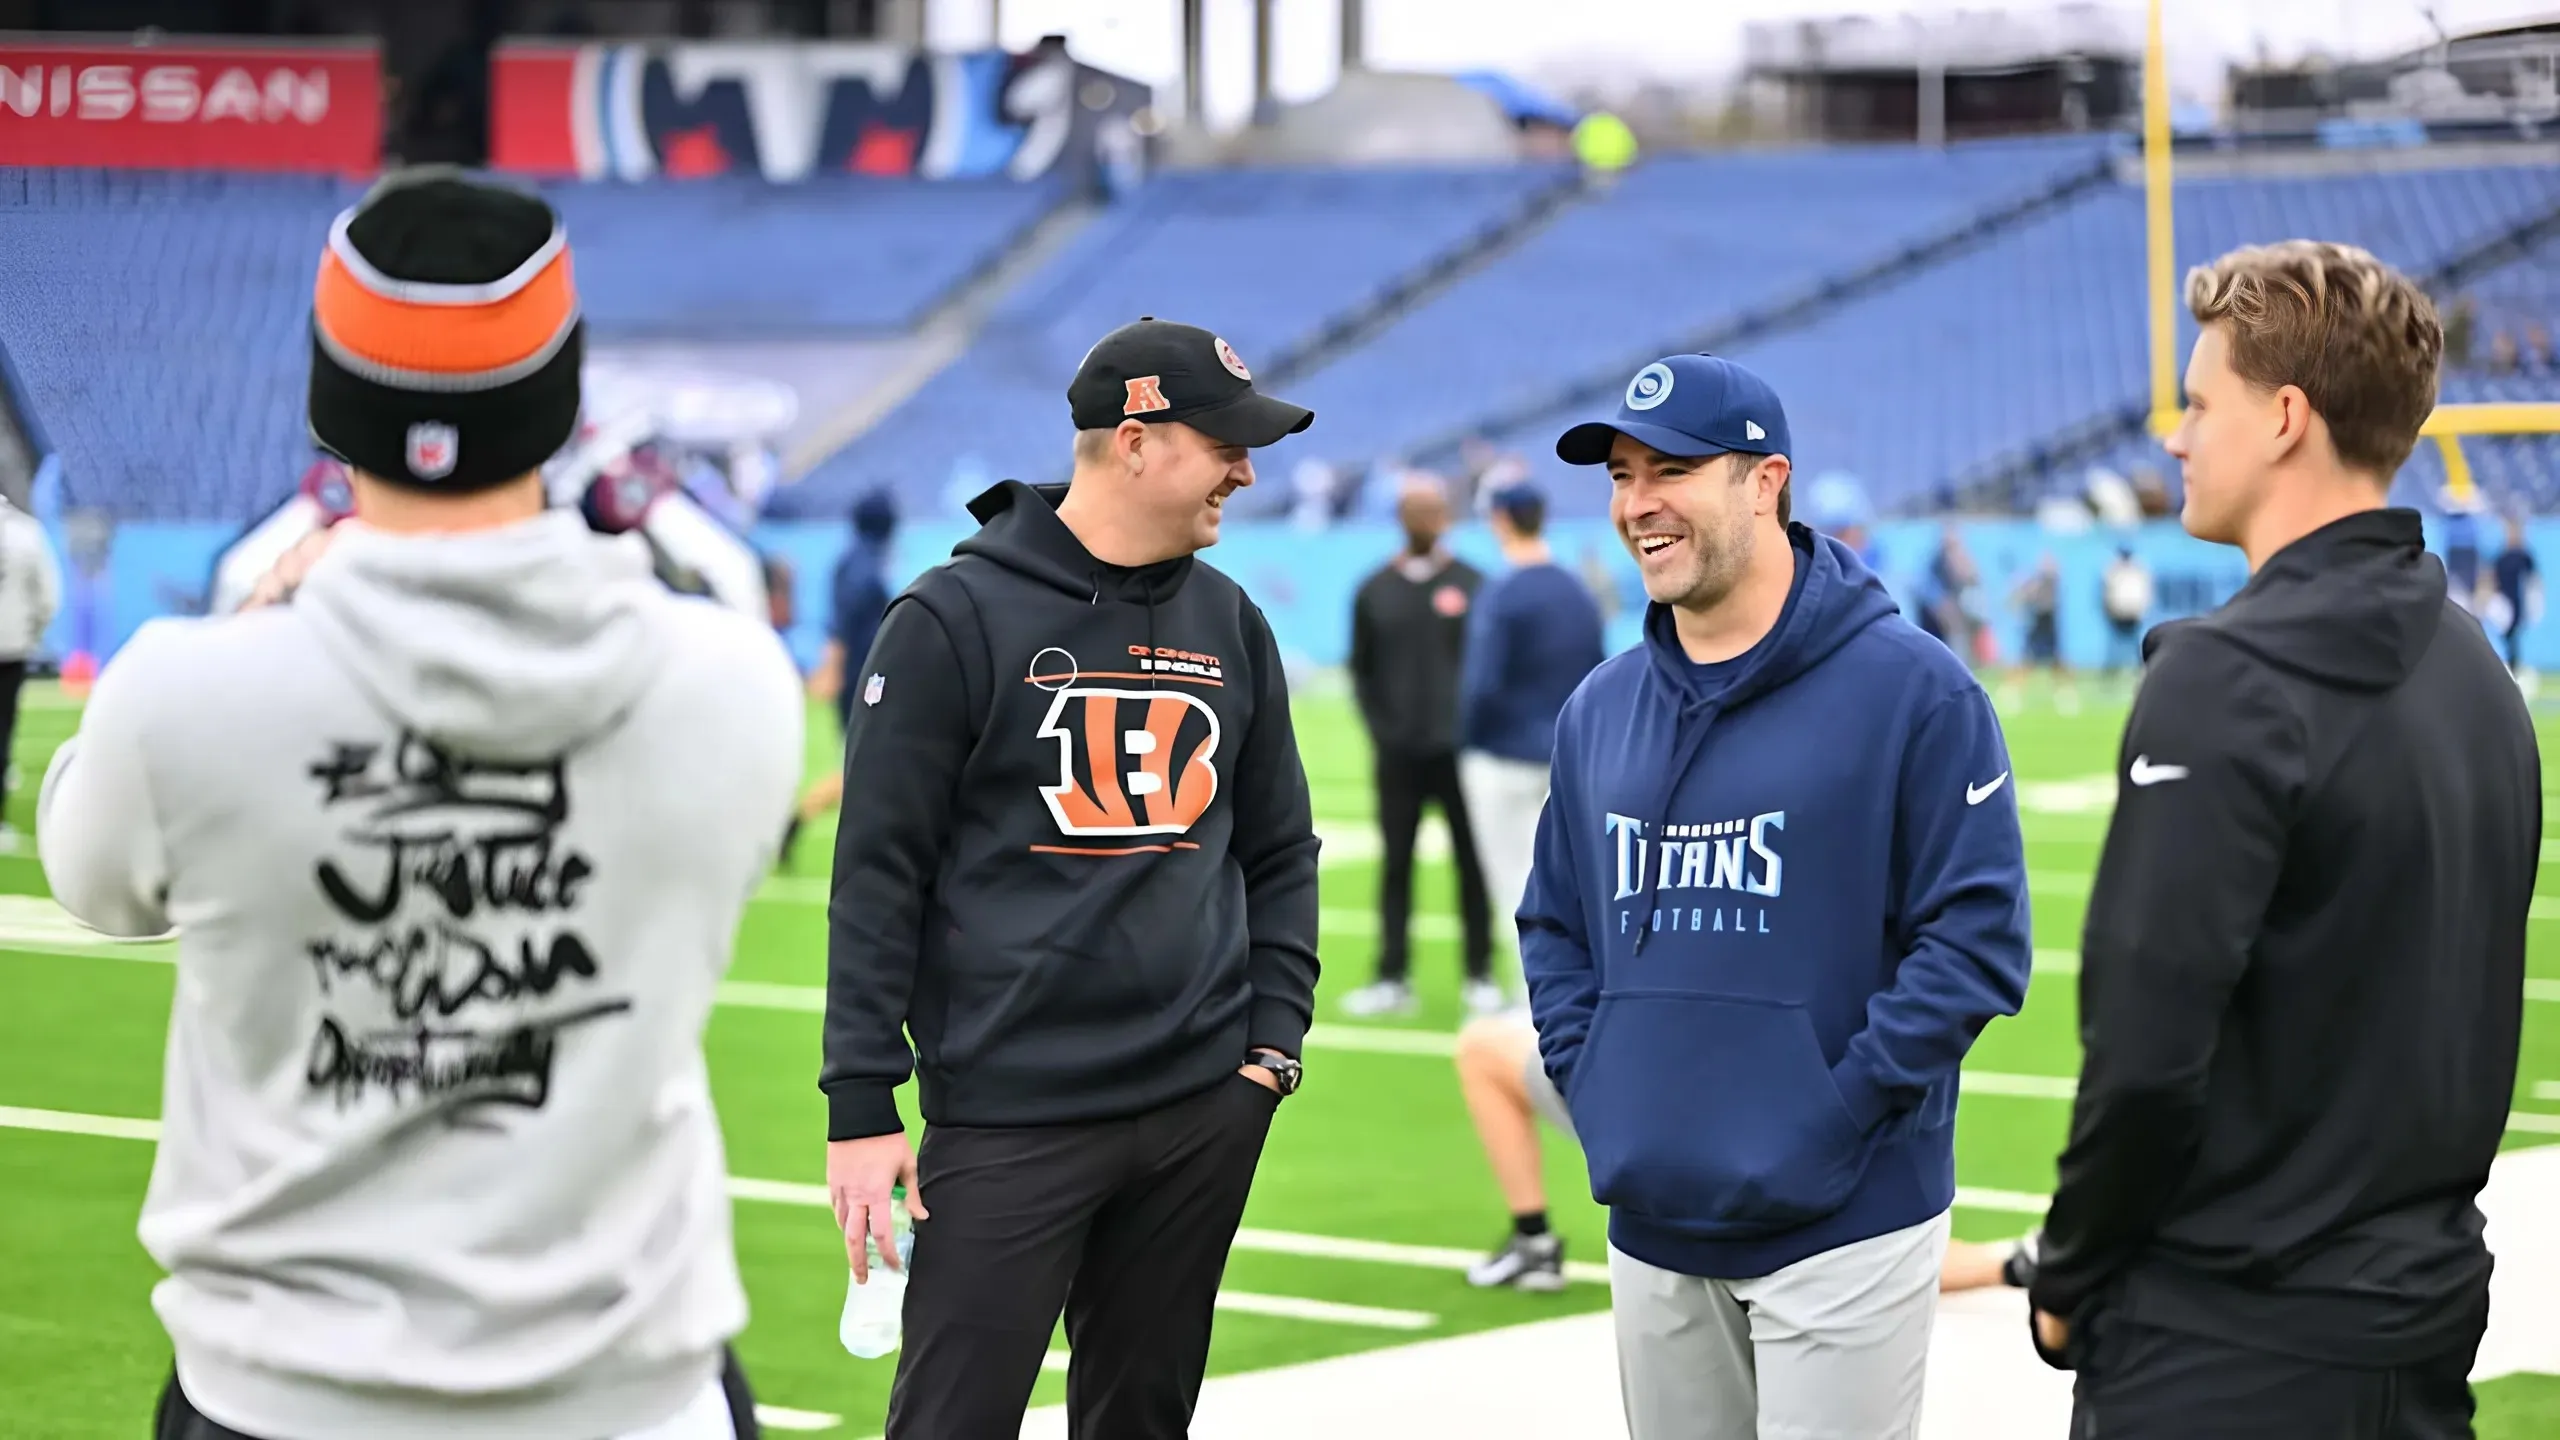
(1775, 899)
(456, 846)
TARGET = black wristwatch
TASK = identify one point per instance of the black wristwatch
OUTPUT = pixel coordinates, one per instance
(1287, 1071)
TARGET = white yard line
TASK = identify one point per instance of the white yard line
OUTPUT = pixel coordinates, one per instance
(1422, 1257)
(780, 1417)
(2542, 990)
(61, 1122)
(2025, 1087)
(1325, 1312)
(2547, 1090)
(2012, 1202)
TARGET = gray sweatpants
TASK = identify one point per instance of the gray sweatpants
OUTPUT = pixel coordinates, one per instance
(1833, 1347)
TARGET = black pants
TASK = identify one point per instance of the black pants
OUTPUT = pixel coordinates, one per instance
(13, 676)
(1404, 783)
(1123, 1224)
(2140, 1383)
(179, 1419)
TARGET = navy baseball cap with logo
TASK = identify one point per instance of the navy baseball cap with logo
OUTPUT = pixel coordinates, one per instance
(1159, 371)
(1690, 406)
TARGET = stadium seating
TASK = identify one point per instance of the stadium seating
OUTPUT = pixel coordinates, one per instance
(1678, 244)
(1265, 257)
(160, 326)
(159, 321)
(848, 253)
(2512, 471)
(1964, 364)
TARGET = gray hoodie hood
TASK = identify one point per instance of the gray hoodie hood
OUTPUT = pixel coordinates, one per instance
(516, 643)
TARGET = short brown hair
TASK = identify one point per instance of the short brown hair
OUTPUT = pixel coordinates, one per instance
(1745, 461)
(2360, 339)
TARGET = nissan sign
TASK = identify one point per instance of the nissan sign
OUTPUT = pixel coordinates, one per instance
(197, 104)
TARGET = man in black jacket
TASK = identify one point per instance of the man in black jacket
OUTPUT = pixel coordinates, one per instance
(1408, 650)
(1078, 869)
(2303, 970)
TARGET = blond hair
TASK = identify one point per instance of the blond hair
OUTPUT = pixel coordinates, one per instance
(2359, 338)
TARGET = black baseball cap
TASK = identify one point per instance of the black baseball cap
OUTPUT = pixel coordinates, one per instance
(1158, 371)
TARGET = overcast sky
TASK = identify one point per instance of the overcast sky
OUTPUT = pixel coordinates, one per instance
(1661, 38)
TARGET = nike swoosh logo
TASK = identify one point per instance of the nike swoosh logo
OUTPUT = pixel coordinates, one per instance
(1976, 794)
(2143, 772)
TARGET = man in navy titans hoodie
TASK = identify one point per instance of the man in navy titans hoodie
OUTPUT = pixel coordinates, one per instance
(1778, 891)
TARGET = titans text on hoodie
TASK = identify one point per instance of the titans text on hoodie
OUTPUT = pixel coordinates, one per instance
(1773, 904)
(1077, 864)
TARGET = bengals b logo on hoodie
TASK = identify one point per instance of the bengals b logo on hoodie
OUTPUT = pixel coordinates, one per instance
(1130, 762)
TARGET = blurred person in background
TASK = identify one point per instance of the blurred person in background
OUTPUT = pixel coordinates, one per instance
(1079, 909)
(456, 1199)
(1408, 649)
(1534, 633)
(1779, 890)
(2038, 596)
(30, 593)
(2518, 582)
(1947, 608)
(2124, 593)
(857, 597)
(2461, 321)
(2303, 963)
(2461, 531)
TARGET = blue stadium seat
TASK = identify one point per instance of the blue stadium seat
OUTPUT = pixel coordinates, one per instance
(1265, 257)
(1981, 358)
(847, 253)
(159, 320)
(1677, 245)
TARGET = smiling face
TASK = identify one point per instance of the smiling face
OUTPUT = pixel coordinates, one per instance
(1182, 478)
(1690, 523)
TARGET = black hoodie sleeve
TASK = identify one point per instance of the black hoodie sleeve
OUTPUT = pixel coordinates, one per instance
(903, 752)
(2211, 766)
(1275, 843)
(1364, 657)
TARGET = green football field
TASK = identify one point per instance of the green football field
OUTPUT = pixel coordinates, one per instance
(1371, 1193)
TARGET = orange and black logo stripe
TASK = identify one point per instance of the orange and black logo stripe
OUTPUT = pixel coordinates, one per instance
(416, 335)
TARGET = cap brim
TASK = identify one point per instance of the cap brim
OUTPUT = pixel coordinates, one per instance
(1589, 442)
(1251, 420)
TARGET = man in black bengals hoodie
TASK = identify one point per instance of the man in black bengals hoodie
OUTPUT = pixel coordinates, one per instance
(1078, 869)
(2302, 977)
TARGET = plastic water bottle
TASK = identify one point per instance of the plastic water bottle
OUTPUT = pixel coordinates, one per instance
(872, 1309)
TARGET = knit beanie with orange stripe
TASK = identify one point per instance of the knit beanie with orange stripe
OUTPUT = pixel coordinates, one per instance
(445, 337)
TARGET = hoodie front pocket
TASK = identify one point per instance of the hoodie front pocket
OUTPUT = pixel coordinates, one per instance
(1716, 1115)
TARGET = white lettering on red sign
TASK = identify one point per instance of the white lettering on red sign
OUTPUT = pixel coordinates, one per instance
(169, 94)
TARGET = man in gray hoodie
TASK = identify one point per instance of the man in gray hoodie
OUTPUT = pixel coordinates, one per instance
(454, 826)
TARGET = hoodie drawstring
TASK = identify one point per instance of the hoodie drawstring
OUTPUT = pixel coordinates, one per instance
(1696, 719)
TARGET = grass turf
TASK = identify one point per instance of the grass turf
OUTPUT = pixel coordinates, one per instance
(1377, 1147)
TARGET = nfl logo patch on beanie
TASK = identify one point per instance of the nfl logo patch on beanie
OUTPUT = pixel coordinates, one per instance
(445, 335)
